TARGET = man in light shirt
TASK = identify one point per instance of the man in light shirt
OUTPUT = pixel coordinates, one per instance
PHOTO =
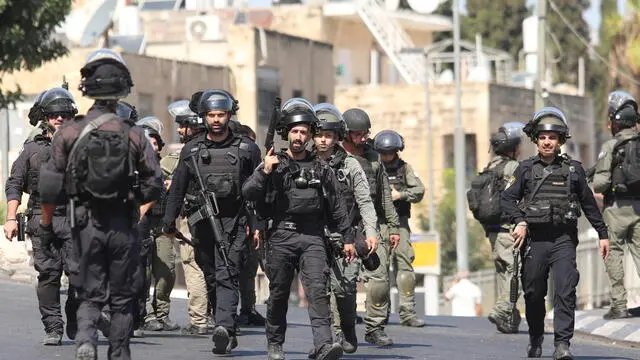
(465, 296)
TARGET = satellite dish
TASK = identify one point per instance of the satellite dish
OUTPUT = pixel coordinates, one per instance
(391, 5)
(85, 25)
(424, 6)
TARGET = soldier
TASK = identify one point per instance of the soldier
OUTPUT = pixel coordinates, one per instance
(50, 111)
(354, 188)
(358, 144)
(158, 254)
(614, 178)
(554, 188)
(484, 201)
(189, 126)
(221, 160)
(298, 190)
(406, 188)
(92, 157)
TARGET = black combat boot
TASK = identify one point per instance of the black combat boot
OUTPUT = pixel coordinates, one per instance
(349, 340)
(251, 318)
(562, 352)
(534, 350)
(329, 352)
(378, 337)
(223, 341)
(275, 352)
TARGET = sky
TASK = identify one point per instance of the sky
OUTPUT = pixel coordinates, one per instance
(592, 15)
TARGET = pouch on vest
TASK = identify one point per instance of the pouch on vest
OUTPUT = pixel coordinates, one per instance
(538, 212)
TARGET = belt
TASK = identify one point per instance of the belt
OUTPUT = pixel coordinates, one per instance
(295, 226)
(59, 211)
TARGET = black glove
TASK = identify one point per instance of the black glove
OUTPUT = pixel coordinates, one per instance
(48, 239)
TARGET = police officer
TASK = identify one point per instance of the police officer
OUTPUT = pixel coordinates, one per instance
(358, 144)
(189, 126)
(406, 188)
(554, 188)
(354, 188)
(506, 148)
(299, 190)
(92, 158)
(223, 161)
(158, 254)
(621, 198)
(51, 109)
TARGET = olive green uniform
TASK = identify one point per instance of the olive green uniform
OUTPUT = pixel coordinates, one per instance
(406, 182)
(193, 275)
(377, 282)
(502, 247)
(622, 218)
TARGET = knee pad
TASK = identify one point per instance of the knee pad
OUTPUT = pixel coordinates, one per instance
(378, 291)
(406, 282)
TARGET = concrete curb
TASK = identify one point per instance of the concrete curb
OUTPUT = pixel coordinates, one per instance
(591, 324)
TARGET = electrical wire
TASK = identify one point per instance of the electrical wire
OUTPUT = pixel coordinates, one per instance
(584, 42)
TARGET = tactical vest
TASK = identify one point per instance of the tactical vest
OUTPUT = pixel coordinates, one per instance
(36, 161)
(551, 202)
(371, 171)
(220, 170)
(398, 179)
(345, 187)
(293, 203)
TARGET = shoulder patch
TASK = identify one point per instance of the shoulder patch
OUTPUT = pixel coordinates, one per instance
(602, 155)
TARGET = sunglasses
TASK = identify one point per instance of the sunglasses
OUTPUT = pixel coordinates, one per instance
(55, 115)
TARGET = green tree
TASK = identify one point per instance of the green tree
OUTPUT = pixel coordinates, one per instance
(499, 22)
(564, 49)
(26, 28)
(479, 248)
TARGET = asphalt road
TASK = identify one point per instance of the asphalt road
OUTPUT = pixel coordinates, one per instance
(449, 338)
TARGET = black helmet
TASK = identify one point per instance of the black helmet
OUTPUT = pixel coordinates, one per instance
(152, 128)
(357, 120)
(126, 111)
(330, 118)
(388, 141)
(35, 113)
(182, 113)
(507, 138)
(294, 112)
(215, 100)
(623, 109)
(58, 100)
(547, 119)
(105, 76)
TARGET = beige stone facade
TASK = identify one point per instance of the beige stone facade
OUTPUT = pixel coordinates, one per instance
(484, 108)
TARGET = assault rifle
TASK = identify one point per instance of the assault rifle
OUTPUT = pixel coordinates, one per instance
(211, 211)
(273, 124)
(513, 290)
(65, 84)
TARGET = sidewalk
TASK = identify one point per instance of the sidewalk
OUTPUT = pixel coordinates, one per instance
(590, 322)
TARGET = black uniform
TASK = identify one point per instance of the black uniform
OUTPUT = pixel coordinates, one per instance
(296, 239)
(24, 178)
(104, 236)
(224, 166)
(551, 214)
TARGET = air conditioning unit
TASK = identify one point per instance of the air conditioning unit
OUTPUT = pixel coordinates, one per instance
(203, 28)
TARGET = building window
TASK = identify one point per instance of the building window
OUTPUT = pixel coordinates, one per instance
(322, 98)
(297, 93)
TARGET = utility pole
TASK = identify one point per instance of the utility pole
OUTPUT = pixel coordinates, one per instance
(541, 68)
(462, 245)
